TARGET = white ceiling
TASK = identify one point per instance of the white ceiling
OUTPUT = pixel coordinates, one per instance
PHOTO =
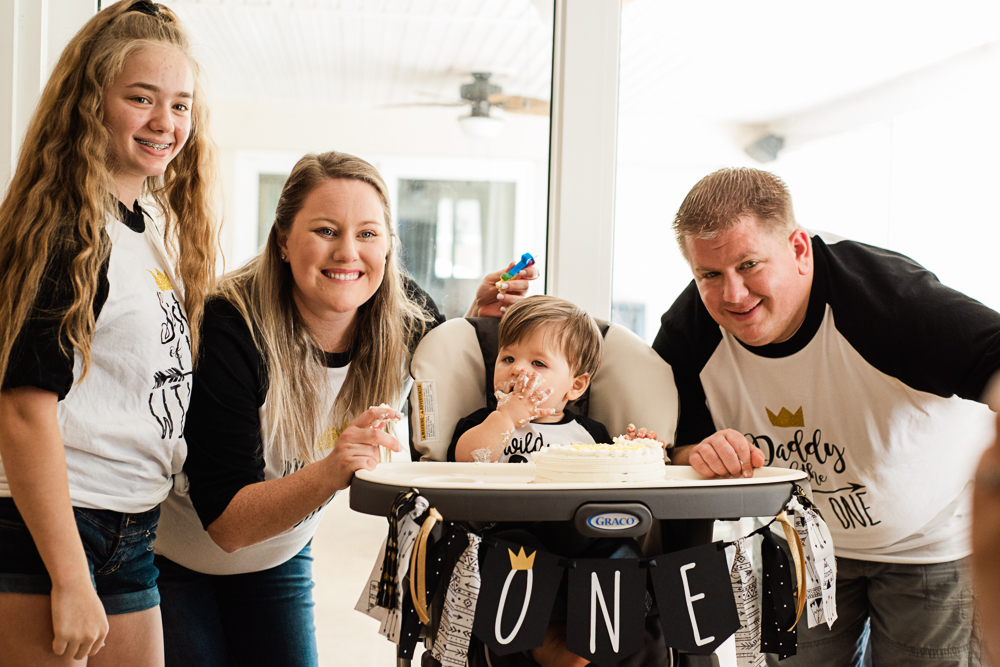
(747, 61)
(367, 53)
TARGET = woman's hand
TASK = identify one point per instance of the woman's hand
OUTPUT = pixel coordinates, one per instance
(520, 406)
(78, 619)
(493, 302)
(357, 447)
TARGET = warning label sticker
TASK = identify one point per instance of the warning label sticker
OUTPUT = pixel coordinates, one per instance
(427, 410)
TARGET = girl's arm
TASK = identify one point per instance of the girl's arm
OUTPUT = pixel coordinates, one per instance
(35, 464)
(263, 510)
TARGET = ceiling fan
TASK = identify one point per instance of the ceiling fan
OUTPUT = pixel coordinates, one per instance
(481, 96)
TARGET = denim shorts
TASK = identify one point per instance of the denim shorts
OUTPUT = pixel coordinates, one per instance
(119, 549)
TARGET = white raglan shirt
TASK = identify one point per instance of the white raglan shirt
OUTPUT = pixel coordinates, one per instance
(871, 398)
(122, 425)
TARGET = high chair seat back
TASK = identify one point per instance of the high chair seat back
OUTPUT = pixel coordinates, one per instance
(452, 369)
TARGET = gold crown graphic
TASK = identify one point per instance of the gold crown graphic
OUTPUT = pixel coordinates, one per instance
(786, 419)
(161, 280)
(328, 438)
(519, 561)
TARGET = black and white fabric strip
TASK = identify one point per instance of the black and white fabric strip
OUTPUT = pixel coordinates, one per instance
(388, 594)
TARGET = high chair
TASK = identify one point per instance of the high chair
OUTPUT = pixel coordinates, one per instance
(453, 376)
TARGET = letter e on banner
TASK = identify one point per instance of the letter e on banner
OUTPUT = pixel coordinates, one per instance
(518, 588)
(695, 597)
(606, 609)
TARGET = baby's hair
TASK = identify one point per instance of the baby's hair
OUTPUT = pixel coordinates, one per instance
(573, 327)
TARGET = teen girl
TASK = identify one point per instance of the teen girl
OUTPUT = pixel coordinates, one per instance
(97, 338)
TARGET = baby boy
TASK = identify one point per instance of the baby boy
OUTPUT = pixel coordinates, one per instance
(549, 352)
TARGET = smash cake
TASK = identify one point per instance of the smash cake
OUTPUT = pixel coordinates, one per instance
(639, 460)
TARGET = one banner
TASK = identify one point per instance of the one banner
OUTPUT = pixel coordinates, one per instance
(777, 608)
(695, 597)
(519, 586)
(748, 605)
(821, 565)
(605, 609)
(451, 647)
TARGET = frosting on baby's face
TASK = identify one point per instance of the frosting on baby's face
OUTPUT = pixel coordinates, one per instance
(542, 354)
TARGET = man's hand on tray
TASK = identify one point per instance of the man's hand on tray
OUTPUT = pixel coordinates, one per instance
(724, 455)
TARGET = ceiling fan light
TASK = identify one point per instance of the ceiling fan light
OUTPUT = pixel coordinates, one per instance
(481, 127)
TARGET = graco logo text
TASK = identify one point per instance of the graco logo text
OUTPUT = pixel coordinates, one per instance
(613, 521)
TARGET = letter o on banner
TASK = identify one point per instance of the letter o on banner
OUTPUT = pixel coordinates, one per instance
(518, 589)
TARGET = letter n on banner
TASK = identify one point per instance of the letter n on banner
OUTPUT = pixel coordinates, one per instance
(605, 609)
(515, 601)
(695, 597)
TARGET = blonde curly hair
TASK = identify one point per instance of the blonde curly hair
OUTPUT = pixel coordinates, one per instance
(61, 193)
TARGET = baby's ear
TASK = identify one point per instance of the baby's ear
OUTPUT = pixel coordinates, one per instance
(580, 384)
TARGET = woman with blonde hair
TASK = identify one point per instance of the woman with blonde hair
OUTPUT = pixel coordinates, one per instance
(298, 345)
(96, 344)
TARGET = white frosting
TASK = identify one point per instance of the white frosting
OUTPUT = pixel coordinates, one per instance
(639, 460)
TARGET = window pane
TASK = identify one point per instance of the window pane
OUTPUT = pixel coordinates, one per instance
(887, 128)
(451, 232)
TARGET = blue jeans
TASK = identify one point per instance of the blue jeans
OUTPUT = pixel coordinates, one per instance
(119, 550)
(258, 618)
(919, 615)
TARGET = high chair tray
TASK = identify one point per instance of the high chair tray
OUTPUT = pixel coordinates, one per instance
(505, 492)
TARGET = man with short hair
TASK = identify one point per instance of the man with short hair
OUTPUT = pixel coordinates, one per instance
(856, 365)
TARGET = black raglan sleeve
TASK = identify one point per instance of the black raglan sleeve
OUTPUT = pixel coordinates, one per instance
(42, 356)
(223, 429)
(908, 325)
(596, 429)
(687, 338)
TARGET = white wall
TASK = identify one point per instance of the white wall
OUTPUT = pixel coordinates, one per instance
(919, 182)
(33, 34)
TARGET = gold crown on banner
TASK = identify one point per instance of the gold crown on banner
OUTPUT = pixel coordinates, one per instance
(521, 562)
(786, 419)
(161, 280)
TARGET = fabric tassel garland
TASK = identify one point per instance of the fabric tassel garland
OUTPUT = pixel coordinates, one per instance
(821, 564)
(451, 647)
(777, 609)
(387, 591)
(748, 604)
(799, 561)
(407, 537)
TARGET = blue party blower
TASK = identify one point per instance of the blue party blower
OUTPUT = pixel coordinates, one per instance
(525, 261)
